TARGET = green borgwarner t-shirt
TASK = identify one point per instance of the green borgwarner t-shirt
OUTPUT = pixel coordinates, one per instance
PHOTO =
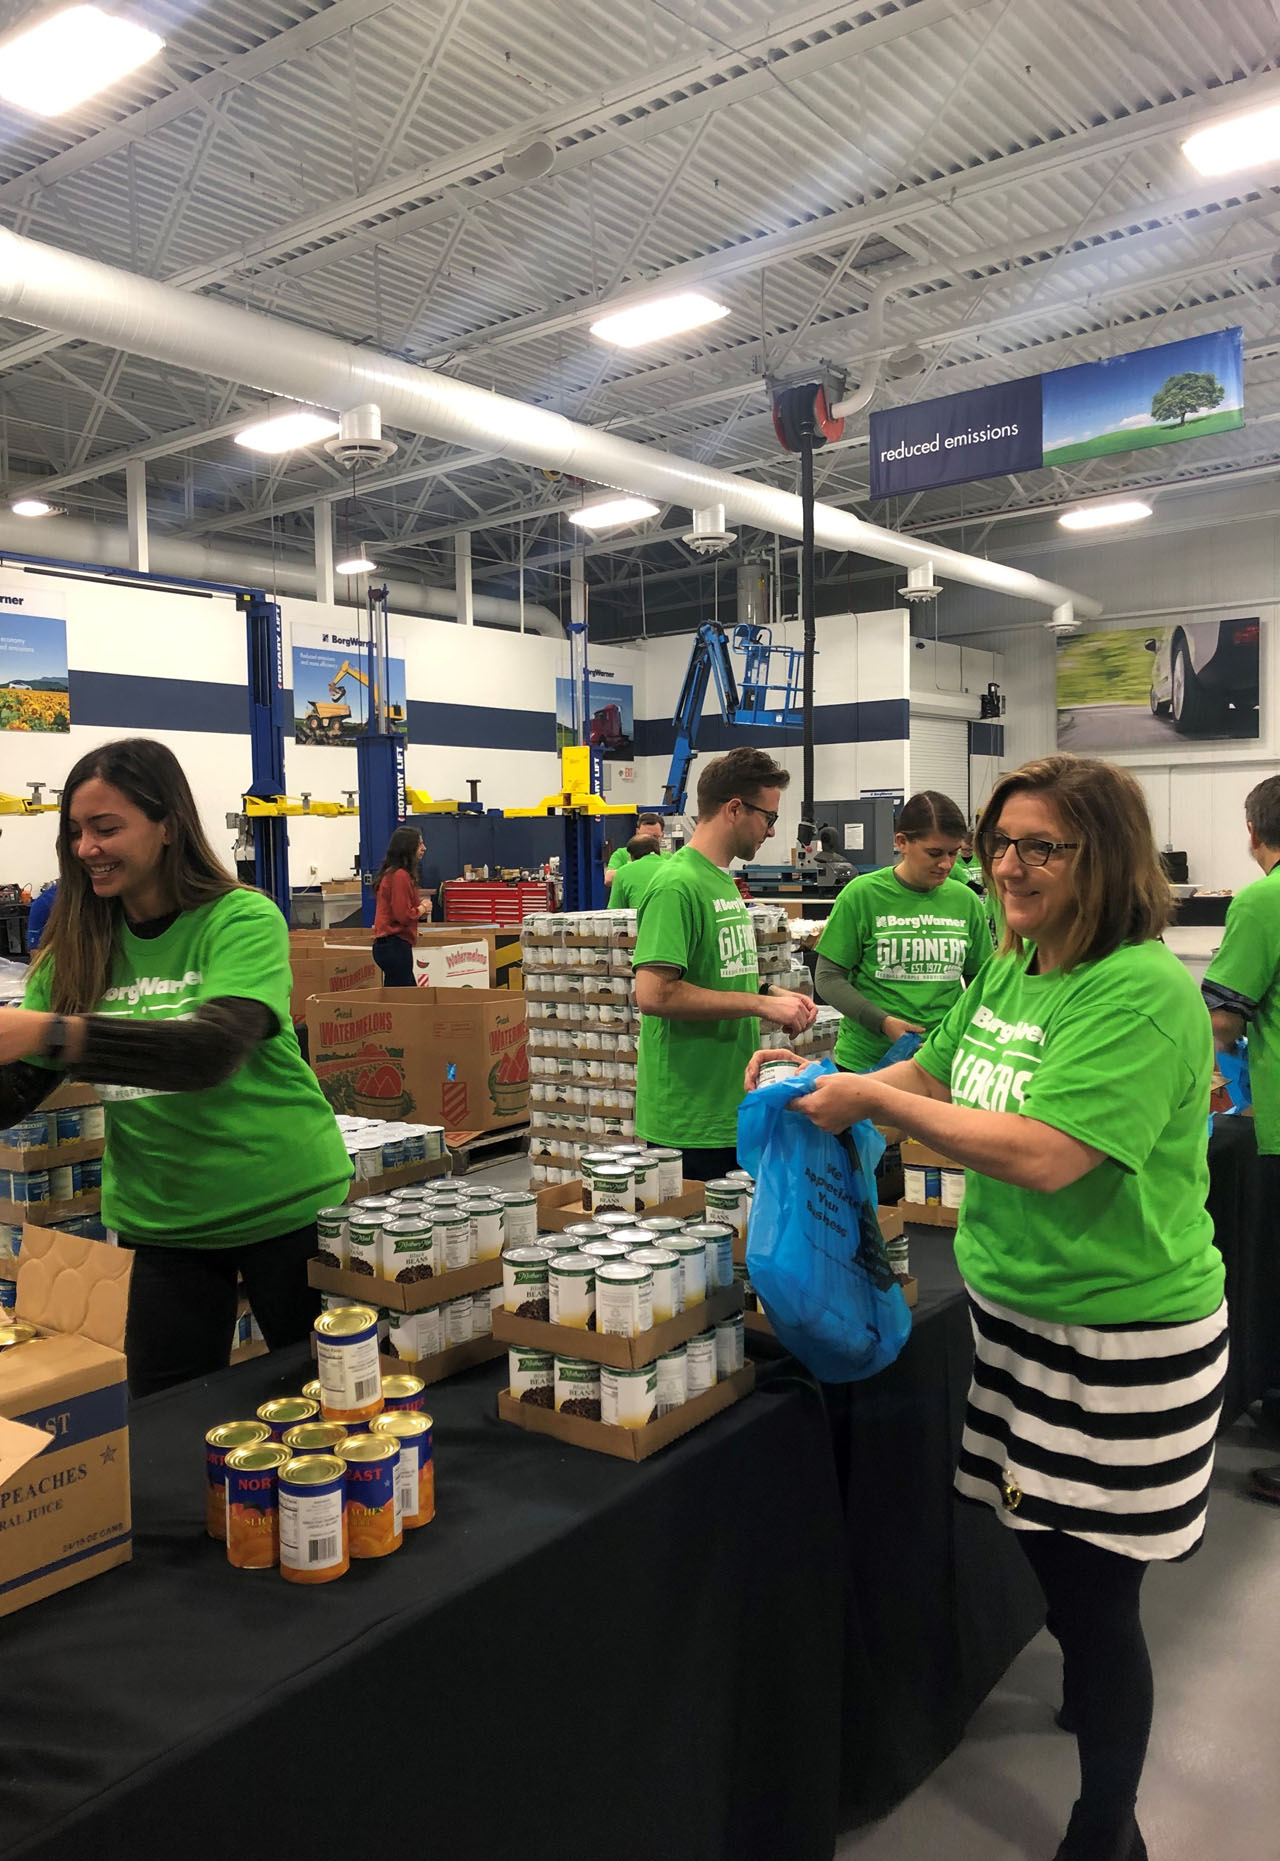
(1248, 965)
(620, 858)
(243, 1161)
(689, 1073)
(1118, 1054)
(633, 881)
(908, 952)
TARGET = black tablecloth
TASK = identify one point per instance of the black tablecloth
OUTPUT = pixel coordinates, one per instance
(579, 1655)
(941, 1598)
(1247, 1230)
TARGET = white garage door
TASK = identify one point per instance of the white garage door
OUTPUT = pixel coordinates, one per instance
(940, 757)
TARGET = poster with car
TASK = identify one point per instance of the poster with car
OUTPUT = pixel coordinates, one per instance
(611, 726)
(332, 677)
(34, 686)
(1166, 688)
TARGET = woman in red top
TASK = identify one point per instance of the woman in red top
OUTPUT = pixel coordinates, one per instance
(400, 905)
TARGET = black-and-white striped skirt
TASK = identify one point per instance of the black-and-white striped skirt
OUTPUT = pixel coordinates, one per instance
(1103, 1432)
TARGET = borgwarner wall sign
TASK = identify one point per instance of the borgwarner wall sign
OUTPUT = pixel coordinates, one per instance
(1148, 397)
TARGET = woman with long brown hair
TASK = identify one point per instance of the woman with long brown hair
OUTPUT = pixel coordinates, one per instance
(399, 907)
(1072, 1081)
(165, 983)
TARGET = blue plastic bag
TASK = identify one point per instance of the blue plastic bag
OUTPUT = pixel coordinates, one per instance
(905, 1047)
(815, 1254)
(1233, 1064)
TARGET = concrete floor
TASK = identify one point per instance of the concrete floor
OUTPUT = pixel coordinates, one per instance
(1211, 1791)
(1212, 1786)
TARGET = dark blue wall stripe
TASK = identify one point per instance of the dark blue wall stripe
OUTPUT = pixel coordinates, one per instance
(115, 700)
(480, 726)
(876, 721)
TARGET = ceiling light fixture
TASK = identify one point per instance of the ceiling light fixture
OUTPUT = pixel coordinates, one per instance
(360, 562)
(611, 514)
(1105, 516)
(31, 507)
(69, 55)
(662, 317)
(1248, 141)
(288, 432)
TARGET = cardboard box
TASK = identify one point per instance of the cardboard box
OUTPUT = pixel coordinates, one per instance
(320, 968)
(560, 1205)
(49, 1156)
(416, 1296)
(64, 1438)
(462, 956)
(407, 1173)
(443, 1363)
(44, 1214)
(628, 1443)
(456, 1057)
(604, 1347)
(919, 1156)
(931, 1214)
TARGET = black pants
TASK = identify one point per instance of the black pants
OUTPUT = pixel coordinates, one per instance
(182, 1304)
(1093, 1598)
(703, 1166)
(394, 958)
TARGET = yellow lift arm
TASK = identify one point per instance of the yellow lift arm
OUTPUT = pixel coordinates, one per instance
(32, 804)
(576, 795)
(254, 806)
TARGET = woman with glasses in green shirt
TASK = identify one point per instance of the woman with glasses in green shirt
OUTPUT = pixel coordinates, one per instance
(1072, 1081)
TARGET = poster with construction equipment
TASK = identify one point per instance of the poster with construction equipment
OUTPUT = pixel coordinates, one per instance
(334, 685)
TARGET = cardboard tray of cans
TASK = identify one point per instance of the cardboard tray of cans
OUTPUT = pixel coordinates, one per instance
(560, 1204)
(604, 1346)
(398, 1179)
(49, 1156)
(625, 1052)
(628, 1443)
(929, 1214)
(414, 1296)
(444, 1363)
(45, 1214)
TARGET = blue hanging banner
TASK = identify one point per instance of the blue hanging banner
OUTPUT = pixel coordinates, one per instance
(1188, 389)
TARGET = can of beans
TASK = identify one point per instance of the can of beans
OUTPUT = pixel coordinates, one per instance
(525, 1289)
(932, 1185)
(452, 1230)
(670, 1174)
(459, 1321)
(673, 1379)
(577, 1387)
(285, 1412)
(645, 1169)
(668, 1286)
(730, 1346)
(913, 1184)
(571, 1288)
(91, 1174)
(253, 1521)
(375, 1525)
(583, 1231)
(531, 1376)
(331, 1237)
(701, 1353)
(717, 1239)
(347, 1358)
(486, 1230)
(628, 1398)
(416, 1471)
(588, 1164)
(62, 1182)
(218, 1443)
(93, 1122)
(899, 1254)
(482, 1313)
(624, 1298)
(519, 1217)
(613, 1248)
(952, 1188)
(402, 1392)
(692, 1253)
(70, 1126)
(613, 1186)
(660, 1227)
(315, 1438)
(314, 1545)
(364, 1240)
(415, 1335)
(408, 1251)
(727, 1203)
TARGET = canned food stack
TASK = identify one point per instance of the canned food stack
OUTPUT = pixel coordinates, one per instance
(341, 1471)
(50, 1161)
(374, 1147)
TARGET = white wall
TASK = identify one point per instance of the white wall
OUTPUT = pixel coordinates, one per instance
(948, 680)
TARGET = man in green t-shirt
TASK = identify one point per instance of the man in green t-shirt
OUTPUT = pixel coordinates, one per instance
(1242, 991)
(697, 983)
(648, 827)
(633, 880)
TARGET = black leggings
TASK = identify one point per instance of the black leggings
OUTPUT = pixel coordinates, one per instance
(182, 1304)
(1093, 1598)
(394, 958)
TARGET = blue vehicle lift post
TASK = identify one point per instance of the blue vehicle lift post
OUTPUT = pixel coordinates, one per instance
(266, 743)
(379, 762)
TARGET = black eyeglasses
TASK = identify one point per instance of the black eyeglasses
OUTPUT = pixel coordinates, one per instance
(1031, 851)
(772, 819)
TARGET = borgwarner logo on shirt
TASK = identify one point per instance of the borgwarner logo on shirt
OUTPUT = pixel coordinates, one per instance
(147, 986)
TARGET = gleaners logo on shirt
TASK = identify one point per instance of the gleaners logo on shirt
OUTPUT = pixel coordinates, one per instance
(737, 945)
(920, 959)
(986, 1079)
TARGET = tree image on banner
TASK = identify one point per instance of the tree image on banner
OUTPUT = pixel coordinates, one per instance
(1188, 393)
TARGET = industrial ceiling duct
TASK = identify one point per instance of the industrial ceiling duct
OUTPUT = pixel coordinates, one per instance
(83, 299)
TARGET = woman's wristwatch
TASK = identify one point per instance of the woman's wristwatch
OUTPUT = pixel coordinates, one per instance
(55, 1040)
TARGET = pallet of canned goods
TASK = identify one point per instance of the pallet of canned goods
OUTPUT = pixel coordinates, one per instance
(392, 1156)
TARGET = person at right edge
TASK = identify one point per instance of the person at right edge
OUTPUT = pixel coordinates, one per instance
(1072, 1082)
(901, 943)
(697, 982)
(399, 907)
(1242, 992)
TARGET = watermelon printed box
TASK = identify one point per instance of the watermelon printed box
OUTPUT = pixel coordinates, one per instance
(457, 1057)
